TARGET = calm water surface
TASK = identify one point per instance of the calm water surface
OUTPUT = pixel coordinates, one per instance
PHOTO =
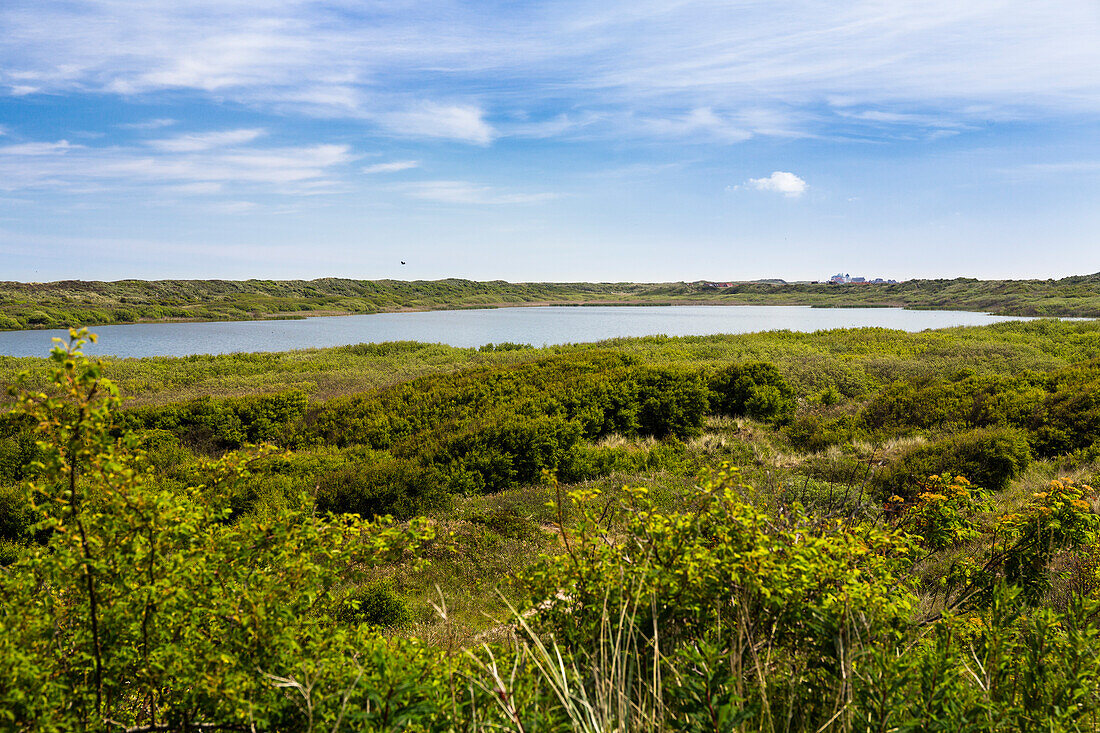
(539, 326)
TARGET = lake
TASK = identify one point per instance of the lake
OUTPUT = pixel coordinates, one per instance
(539, 326)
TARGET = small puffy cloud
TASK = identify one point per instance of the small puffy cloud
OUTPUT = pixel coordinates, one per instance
(206, 140)
(782, 182)
(392, 167)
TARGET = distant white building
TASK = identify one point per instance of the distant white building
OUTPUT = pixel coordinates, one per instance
(843, 278)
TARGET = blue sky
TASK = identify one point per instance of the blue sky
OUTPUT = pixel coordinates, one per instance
(646, 141)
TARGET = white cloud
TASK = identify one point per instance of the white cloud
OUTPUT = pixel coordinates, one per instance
(233, 207)
(460, 122)
(201, 188)
(563, 124)
(393, 167)
(154, 124)
(22, 149)
(464, 192)
(206, 140)
(61, 165)
(782, 182)
(701, 123)
(957, 62)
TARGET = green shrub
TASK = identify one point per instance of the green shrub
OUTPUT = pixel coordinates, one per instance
(211, 425)
(967, 402)
(17, 453)
(400, 488)
(752, 389)
(943, 514)
(504, 346)
(17, 516)
(374, 604)
(815, 431)
(492, 457)
(989, 457)
(10, 552)
(671, 402)
(1069, 418)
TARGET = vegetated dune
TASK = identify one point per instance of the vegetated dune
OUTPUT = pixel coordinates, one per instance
(76, 302)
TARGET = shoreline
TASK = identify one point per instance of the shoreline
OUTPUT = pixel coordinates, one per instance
(57, 305)
(762, 302)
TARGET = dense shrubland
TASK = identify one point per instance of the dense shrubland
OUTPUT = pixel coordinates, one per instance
(910, 542)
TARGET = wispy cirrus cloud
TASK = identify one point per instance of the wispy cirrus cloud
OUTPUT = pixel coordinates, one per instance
(415, 70)
(206, 140)
(197, 164)
(153, 124)
(31, 149)
(392, 167)
(701, 124)
(465, 192)
(465, 123)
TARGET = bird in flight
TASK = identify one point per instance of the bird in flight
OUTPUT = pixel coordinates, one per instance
(402, 262)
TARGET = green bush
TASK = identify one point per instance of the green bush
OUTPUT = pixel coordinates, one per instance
(966, 402)
(17, 452)
(670, 402)
(752, 389)
(989, 457)
(400, 488)
(211, 425)
(815, 431)
(16, 514)
(1069, 418)
(374, 604)
(504, 346)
